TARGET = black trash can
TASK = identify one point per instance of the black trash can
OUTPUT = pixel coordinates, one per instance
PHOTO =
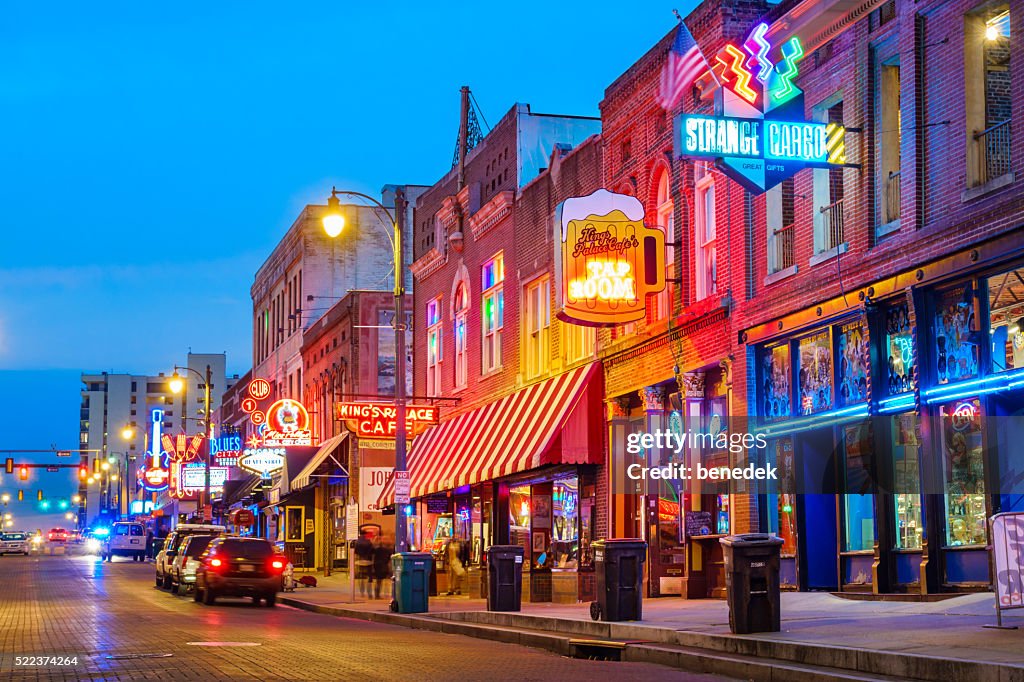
(752, 582)
(504, 577)
(619, 579)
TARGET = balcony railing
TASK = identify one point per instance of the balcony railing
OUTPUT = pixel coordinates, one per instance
(832, 216)
(784, 248)
(993, 151)
(892, 197)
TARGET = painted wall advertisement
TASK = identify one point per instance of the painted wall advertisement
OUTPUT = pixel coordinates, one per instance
(371, 485)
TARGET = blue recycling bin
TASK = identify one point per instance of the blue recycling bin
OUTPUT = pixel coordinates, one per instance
(412, 581)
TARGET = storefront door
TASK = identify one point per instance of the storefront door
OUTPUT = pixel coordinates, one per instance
(817, 514)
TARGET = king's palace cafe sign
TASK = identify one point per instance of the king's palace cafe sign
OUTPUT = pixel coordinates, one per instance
(380, 420)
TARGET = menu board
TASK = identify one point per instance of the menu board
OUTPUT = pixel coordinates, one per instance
(697, 523)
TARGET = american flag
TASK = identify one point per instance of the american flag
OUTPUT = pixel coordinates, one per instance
(685, 64)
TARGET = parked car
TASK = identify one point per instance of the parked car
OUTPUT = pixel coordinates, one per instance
(184, 564)
(240, 567)
(57, 535)
(173, 542)
(126, 538)
(14, 543)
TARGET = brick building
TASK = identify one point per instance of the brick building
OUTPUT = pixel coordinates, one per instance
(516, 456)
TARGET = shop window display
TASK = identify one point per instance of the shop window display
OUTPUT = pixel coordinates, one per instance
(859, 502)
(854, 363)
(964, 468)
(899, 345)
(519, 516)
(956, 351)
(776, 389)
(815, 373)
(782, 510)
(565, 522)
(906, 480)
(1005, 291)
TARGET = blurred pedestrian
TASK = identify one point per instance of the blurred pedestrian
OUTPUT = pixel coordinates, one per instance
(383, 548)
(363, 550)
(456, 569)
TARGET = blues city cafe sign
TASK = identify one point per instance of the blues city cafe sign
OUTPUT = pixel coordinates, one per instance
(759, 135)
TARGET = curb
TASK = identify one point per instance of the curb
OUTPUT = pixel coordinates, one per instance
(735, 656)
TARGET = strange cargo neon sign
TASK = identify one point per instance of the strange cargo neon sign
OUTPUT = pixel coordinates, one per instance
(759, 135)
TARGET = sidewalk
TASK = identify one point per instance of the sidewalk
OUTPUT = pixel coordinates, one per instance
(950, 629)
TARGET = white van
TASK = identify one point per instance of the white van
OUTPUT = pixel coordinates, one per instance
(126, 539)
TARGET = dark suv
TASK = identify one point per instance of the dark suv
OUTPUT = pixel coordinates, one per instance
(240, 567)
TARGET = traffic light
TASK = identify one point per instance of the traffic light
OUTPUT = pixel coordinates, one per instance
(39, 495)
(9, 465)
(96, 465)
(83, 472)
(21, 496)
(23, 473)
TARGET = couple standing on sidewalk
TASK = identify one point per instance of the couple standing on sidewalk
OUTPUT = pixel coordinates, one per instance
(372, 563)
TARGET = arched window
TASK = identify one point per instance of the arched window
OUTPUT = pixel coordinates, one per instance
(460, 307)
(665, 217)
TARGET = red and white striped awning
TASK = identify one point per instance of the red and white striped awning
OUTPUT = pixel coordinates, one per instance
(516, 433)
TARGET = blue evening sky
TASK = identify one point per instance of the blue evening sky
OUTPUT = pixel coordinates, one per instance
(152, 155)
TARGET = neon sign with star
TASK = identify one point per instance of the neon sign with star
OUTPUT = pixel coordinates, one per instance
(759, 135)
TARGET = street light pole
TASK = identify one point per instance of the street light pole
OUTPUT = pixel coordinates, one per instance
(175, 379)
(333, 225)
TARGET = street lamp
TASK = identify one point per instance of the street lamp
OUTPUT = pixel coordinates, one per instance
(334, 224)
(177, 384)
(5, 498)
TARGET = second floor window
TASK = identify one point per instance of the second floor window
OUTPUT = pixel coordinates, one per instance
(989, 94)
(663, 302)
(578, 342)
(434, 347)
(706, 271)
(461, 357)
(493, 312)
(537, 323)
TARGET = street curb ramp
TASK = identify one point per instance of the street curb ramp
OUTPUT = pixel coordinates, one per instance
(742, 656)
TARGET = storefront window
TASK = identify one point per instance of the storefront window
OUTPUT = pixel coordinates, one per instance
(1005, 291)
(483, 502)
(964, 468)
(588, 508)
(859, 500)
(722, 514)
(899, 344)
(956, 351)
(854, 362)
(906, 480)
(519, 516)
(777, 371)
(815, 373)
(782, 512)
(565, 522)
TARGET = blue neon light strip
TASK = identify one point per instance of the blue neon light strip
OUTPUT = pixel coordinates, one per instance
(815, 421)
(963, 389)
(896, 403)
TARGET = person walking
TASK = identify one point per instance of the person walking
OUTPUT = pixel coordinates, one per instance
(382, 551)
(456, 569)
(363, 550)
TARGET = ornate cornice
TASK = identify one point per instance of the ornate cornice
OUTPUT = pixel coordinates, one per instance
(491, 213)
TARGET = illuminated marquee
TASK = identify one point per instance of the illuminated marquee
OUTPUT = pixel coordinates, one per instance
(760, 137)
(607, 262)
(262, 461)
(287, 424)
(226, 449)
(368, 420)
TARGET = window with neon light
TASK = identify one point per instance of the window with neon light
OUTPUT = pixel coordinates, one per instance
(705, 230)
(536, 328)
(1006, 319)
(434, 346)
(461, 356)
(899, 349)
(664, 211)
(493, 312)
(963, 463)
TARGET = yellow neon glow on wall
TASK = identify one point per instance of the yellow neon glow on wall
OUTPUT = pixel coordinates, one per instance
(607, 281)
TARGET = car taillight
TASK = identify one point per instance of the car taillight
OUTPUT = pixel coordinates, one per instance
(216, 563)
(277, 564)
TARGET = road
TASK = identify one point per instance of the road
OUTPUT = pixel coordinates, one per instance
(120, 627)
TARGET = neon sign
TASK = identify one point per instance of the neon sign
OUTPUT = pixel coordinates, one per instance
(155, 476)
(759, 137)
(262, 461)
(287, 424)
(368, 420)
(226, 449)
(259, 389)
(607, 261)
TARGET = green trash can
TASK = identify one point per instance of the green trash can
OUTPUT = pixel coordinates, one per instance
(412, 581)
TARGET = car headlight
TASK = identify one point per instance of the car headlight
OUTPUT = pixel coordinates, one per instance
(92, 545)
(37, 540)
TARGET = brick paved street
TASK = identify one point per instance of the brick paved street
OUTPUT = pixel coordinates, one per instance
(77, 606)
